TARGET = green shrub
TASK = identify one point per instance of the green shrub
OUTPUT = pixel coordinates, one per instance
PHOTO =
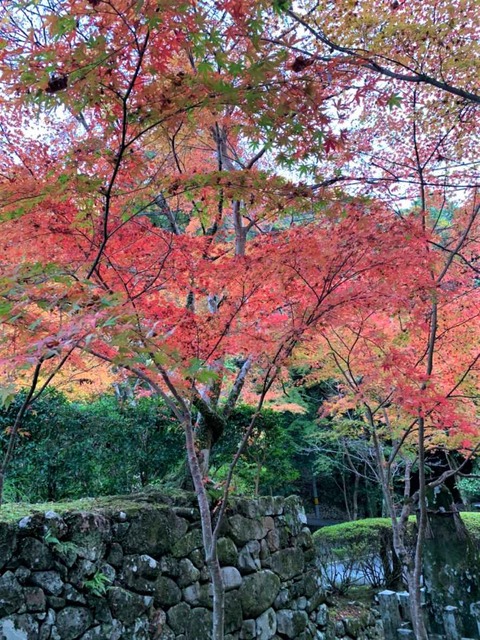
(471, 520)
(359, 552)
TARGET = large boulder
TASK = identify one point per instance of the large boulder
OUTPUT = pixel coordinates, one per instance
(154, 532)
(244, 529)
(11, 595)
(258, 592)
(287, 563)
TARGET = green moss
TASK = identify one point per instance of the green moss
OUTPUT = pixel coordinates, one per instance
(130, 504)
(12, 511)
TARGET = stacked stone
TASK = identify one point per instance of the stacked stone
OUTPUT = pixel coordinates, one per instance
(138, 573)
(365, 626)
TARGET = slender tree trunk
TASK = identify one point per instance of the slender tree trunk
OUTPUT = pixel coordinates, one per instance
(315, 496)
(209, 540)
(412, 566)
(257, 477)
(422, 524)
(355, 497)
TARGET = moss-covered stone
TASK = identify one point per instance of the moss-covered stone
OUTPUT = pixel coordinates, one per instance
(139, 573)
(127, 606)
(11, 594)
(227, 551)
(199, 624)
(8, 540)
(35, 554)
(187, 573)
(287, 563)
(177, 617)
(49, 581)
(19, 627)
(258, 592)
(198, 595)
(72, 622)
(151, 550)
(249, 557)
(291, 623)
(233, 612)
(35, 599)
(154, 532)
(166, 593)
(187, 543)
(244, 529)
(266, 625)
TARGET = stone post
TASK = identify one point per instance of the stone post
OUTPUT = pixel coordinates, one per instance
(475, 611)
(390, 613)
(450, 623)
(404, 602)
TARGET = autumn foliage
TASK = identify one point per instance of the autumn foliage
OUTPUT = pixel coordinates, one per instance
(200, 194)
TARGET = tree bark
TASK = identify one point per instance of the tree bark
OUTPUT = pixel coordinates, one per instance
(209, 539)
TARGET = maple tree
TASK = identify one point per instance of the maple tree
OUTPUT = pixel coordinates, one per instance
(150, 218)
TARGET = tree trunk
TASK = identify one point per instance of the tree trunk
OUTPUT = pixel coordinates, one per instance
(209, 540)
(355, 497)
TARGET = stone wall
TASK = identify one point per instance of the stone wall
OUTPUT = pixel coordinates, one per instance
(134, 570)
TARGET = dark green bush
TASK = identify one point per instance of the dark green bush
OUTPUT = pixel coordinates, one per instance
(73, 449)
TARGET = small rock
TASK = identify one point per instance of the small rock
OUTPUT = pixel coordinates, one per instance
(249, 557)
(35, 599)
(188, 573)
(266, 625)
(231, 578)
(291, 623)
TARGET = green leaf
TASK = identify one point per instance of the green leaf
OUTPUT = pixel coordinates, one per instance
(7, 396)
(394, 101)
(5, 307)
(281, 6)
